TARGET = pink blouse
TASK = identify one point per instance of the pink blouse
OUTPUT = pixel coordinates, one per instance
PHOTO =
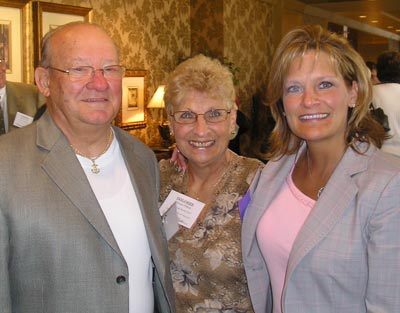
(277, 231)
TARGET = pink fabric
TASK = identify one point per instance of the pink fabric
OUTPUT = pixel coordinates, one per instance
(277, 231)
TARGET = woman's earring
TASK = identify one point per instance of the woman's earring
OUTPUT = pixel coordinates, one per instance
(353, 105)
(234, 132)
(284, 114)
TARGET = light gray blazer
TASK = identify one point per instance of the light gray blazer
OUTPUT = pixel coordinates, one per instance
(346, 257)
(57, 251)
(23, 98)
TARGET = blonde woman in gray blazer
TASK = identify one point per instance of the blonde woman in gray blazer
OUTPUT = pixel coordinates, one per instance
(322, 231)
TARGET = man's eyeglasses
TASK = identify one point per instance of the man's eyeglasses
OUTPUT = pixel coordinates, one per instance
(86, 73)
(211, 116)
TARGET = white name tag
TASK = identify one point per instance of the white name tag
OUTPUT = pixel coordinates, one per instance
(187, 208)
(22, 120)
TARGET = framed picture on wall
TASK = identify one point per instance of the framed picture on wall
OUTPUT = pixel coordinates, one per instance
(133, 98)
(13, 38)
(47, 16)
(132, 114)
(5, 43)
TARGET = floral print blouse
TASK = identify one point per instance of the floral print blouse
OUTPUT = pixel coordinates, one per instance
(206, 260)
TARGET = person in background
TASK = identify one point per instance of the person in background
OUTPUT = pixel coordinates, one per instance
(262, 126)
(372, 67)
(18, 102)
(386, 95)
(243, 124)
(321, 233)
(80, 229)
(206, 265)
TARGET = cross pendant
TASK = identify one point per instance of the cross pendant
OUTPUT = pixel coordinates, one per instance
(95, 169)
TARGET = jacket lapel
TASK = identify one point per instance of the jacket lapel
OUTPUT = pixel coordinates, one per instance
(272, 178)
(139, 175)
(139, 167)
(64, 169)
(144, 175)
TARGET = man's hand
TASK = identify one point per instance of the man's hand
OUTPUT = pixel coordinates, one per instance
(179, 160)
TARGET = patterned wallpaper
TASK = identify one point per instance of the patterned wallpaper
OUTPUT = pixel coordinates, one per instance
(238, 31)
(207, 28)
(248, 44)
(156, 34)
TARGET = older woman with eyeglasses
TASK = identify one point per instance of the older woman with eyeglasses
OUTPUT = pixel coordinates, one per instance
(206, 263)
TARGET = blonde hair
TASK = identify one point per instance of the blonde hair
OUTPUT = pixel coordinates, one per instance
(202, 74)
(361, 127)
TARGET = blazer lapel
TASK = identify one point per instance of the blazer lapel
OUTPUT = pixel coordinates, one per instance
(272, 178)
(146, 191)
(327, 211)
(138, 172)
(64, 169)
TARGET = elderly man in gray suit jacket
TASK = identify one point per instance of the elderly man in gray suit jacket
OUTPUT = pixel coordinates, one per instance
(80, 229)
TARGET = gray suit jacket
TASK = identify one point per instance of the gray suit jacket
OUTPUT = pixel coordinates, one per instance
(346, 257)
(23, 98)
(57, 251)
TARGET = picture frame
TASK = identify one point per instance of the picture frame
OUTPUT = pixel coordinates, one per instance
(13, 46)
(132, 114)
(47, 16)
(5, 43)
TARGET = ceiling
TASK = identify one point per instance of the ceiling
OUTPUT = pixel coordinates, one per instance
(382, 14)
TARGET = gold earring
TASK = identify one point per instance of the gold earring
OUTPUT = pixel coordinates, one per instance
(234, 132)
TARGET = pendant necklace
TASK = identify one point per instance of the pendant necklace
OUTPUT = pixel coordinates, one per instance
(215, 186)
(95, 167)
(320, 190)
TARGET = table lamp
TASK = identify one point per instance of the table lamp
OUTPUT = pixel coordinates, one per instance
(157, 104)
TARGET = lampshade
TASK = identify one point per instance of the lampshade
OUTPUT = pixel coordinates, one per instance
(157, 101)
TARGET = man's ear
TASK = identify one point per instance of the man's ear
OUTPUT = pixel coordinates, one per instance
(42, 81)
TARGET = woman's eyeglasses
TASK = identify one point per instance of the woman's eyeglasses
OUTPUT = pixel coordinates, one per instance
(211, 116)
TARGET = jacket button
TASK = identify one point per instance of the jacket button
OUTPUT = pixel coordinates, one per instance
(121, 279)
